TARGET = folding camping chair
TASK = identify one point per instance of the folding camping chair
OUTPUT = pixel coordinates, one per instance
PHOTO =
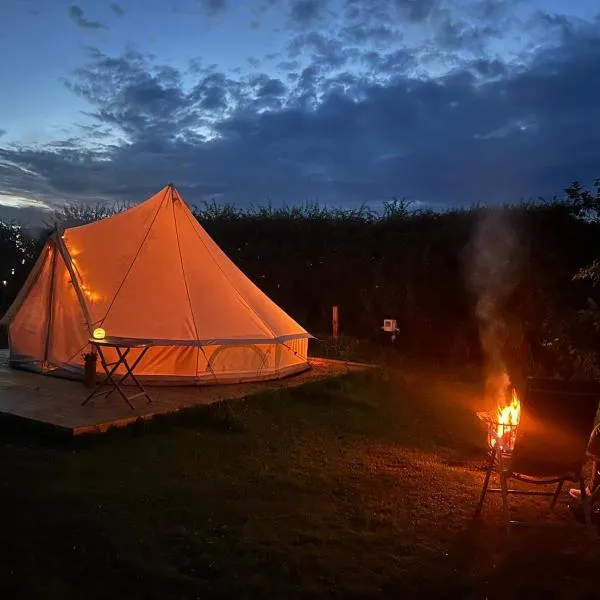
(556, 420)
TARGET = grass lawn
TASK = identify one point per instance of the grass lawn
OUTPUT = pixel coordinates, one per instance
(359, 487)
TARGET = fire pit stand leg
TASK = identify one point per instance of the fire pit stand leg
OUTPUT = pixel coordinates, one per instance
(486, 481)
(556, 494)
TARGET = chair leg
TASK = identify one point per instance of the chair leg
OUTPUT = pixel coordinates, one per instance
(594, 495)
(505, 508)
(504, 490)
(556, 494)
(486, 482)
(587, 512)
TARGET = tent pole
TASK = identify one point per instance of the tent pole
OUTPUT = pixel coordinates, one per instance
(50, 308)
(67, 259)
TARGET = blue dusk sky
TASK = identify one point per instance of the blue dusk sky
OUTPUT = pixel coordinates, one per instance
(344, 102)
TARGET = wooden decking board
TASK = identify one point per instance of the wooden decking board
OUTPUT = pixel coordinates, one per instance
(57, 403)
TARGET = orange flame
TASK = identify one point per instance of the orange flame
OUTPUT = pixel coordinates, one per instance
(505, 426)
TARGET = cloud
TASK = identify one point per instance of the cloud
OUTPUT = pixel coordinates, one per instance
(213, 7)
(3, 132)
(288, 65)
(465, 24)
(394, 63)
(455, 33)
(117, 9)
(416, 11)
(326, 52)
(349, 125)
(305, 13)
(129, 94)
(76, 13)
(360, 34)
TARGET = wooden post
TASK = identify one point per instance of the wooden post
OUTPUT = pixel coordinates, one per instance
(335, 322)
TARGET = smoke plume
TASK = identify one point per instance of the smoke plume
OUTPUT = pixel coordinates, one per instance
(492, 276)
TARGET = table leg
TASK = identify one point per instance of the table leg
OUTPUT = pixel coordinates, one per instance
(107, 379)
(122, 361)
(117, 381)
(130, 373)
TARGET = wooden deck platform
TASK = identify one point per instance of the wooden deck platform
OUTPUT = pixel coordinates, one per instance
(57, 403)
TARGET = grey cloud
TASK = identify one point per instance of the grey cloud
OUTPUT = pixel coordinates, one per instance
(494, 10)
(307, 12)
(3, 132)
(76, 14)
(259, 7)
(360, 34)
(392, 11)
(288, 65)
(117, 9)
(416, 11)
(422, 11)
(455, 33)
(127, 93)
(367, 11)
(268, 86)
(214, 93)
(451, 26)
(394, 63)
(213, 7)
(305, 94)
(325, 52)
(485, 132)
(489, 68)
(259, 93)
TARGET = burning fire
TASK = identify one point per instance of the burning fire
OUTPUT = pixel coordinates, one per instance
(504, 428)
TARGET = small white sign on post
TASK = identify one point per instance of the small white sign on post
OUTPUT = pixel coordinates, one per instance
(389, 325)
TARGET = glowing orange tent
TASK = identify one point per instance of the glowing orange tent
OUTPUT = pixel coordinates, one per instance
(151, 272)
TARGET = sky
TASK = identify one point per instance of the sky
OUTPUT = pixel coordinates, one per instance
(341, 102)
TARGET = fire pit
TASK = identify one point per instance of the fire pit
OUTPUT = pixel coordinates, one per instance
(542, 440)
(503, 420)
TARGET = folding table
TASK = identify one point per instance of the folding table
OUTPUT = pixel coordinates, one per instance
(123, 347)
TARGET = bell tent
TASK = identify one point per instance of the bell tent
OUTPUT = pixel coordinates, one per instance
(152, 273)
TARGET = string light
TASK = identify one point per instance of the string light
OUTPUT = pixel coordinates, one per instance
(73, 252)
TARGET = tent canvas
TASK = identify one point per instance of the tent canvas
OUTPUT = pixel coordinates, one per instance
(151, 272)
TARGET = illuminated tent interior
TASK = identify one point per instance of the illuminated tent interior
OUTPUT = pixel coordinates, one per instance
(153, 273)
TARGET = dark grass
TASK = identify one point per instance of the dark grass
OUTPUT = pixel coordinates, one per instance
(358, 487)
